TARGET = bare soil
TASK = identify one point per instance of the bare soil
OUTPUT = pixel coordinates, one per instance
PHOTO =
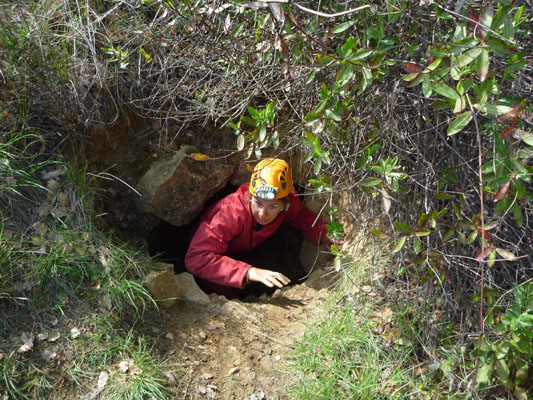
(240, 349)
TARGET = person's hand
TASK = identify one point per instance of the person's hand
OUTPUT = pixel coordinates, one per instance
(267, 277)
(328, 241)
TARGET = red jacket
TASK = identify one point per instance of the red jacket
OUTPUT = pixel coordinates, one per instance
(227, 229)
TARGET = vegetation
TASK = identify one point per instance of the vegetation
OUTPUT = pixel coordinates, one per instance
(417, 112)
(71, 297)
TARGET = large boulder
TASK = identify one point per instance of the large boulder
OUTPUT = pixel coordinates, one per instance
(176, 188)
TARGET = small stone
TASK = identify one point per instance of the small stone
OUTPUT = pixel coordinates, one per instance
(202, 389)
(171, 378)
(269, 352)
(163, 285)
(74, 333)
(207, 376)
(233, 370)
(54, 337)
(49, 354)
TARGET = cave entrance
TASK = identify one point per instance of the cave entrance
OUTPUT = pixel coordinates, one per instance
(280, 252)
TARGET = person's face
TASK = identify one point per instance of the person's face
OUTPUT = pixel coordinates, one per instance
(266, 211)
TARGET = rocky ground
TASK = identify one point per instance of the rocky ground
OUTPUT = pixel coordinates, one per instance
(240, 349)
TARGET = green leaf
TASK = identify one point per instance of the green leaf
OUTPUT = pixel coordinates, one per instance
(360, 54)
(401, 227)
(448, 235)
(275, 140)
(374, 33)
(459, 123)
(399, 244)
(500, 16)
(332, 115)
(466, 58)
(502, 370)
(460, 105)
(520, 393)
(444, 90)
(527, 137)
(493, 109)
(482, 64)
(471, 238)
(460, 33)
(485, 18)
(262, 132)
(484, 373)
(516, 66)
(379, 234)
(500, 47)
(240, 142)
(254, 113)
(490, 262)
(422, 232)
(344, 26)
(508, 29)
(311, 118)
(506, 254)
(502, 349)
(426, 88)
(270, 110)
(318, 166)
(345, 75)
(417, 245)
(248, 121)
(310, 77)
(433, 65)
(370, 182)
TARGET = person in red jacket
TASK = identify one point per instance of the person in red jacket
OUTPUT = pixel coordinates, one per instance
(242, 221)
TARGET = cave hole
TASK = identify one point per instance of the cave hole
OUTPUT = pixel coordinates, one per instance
(280, 252)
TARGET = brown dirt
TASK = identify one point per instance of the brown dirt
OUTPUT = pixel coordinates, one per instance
(240, 349)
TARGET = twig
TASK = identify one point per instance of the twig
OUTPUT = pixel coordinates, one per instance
(272, 338)
(321, 14)
(482, 217)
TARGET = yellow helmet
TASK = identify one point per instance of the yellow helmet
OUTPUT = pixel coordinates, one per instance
(271, 179)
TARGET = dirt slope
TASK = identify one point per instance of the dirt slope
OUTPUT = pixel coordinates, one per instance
(239, 350)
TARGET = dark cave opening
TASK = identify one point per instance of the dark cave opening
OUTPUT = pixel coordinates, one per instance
(280, 252)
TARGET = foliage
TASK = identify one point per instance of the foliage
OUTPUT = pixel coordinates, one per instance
(259, 138)
(505, 355)
(424, 105)
(57, 271)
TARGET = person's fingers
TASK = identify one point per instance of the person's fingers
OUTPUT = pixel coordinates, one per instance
(268, 278)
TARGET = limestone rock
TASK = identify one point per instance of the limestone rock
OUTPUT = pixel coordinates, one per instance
(163, 285)
(189, 290)
(176, 189)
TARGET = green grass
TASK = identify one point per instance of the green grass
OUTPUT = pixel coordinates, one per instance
(55, 265)
(354, 351)
(341, 357)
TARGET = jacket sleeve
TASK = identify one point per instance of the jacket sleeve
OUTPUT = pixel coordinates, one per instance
(306, 221)
(206, 257)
